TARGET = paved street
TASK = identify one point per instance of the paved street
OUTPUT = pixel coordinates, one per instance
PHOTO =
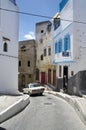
(45, 112)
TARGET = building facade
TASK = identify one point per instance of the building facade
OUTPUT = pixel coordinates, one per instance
(27, 62)
(9, 24)
(70, 46)
(45, 71)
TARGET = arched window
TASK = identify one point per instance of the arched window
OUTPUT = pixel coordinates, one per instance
(5, 47)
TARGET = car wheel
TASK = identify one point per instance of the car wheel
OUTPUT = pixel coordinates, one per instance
(41, 94)
(29, 93)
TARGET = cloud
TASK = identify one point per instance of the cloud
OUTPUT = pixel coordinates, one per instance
(30, 35)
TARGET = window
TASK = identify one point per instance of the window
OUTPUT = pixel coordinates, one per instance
(41, 57)
(5, 47)
(58, 46)
(49, 51)
(56, 23)
(23, 48)
(55, 47)
(42, 31)
(19, 63)
(72, 73)
(28, 64)
(45, 52)
(66, 43)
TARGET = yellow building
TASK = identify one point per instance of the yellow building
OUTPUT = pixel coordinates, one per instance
(27, 62)
(45, 71)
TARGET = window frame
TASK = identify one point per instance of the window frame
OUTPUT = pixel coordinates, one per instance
(58, 46)
(28, 64)
(41, 57)
(66, 42)
(45, 52)
(49, 51)
(5, 47)
(19, 63)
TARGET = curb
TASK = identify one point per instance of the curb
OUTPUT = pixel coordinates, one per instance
(14, 108)
(74, 103)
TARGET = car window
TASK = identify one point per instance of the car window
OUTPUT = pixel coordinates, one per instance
(31, 86)
(34, 85)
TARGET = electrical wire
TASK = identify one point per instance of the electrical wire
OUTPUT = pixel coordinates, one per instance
(25, 13)
(37, 15)
(8, 56)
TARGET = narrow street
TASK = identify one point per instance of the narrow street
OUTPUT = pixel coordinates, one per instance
(45, 112)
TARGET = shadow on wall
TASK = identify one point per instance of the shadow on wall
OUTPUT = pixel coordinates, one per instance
(77, 83)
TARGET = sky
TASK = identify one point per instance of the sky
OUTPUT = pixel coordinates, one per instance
(39, 7)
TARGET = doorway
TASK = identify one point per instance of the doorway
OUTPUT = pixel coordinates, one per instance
(65, 78)
(49, 76)
(54, 77)
(43, 77)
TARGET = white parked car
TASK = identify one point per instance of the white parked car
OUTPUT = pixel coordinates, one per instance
(34, 88)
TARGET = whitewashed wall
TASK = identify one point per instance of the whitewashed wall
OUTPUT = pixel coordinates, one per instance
(74, 10)
(9, 60)
(67, 14)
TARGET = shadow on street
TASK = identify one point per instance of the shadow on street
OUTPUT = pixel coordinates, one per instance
(2, 128)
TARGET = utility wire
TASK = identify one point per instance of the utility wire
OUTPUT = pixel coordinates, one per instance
(8, 56)
(37, 15)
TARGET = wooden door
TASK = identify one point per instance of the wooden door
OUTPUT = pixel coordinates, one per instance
(43, 77)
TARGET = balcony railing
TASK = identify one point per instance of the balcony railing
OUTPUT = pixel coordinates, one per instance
(65, 54)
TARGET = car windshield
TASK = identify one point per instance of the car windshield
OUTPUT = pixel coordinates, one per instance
(34, 85)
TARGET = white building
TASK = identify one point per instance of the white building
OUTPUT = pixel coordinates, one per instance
(70, 46)
(8, 47)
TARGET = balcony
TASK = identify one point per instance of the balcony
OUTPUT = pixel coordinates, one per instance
(65, 54)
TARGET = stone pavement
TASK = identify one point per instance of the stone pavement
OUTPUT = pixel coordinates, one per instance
(78, 103)
(11, 105)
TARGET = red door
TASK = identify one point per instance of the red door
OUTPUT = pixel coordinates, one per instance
(43, 77)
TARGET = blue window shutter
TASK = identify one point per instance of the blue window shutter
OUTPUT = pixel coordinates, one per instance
(62, 4)
(68, 42)
(60, 45)
(65, 44)
(55, 47)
